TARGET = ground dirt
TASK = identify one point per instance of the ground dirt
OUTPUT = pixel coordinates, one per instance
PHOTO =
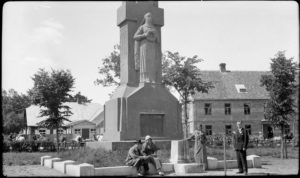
(270, 166)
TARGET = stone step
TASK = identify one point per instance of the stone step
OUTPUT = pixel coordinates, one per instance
(184, 168)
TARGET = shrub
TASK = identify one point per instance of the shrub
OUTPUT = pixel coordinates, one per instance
(5, 146)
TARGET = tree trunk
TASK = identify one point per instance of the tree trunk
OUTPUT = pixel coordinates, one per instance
(186, 119)
(57, 140)
(282, 145)
(285, 149)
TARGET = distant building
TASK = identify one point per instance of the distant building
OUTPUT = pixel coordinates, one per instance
(81, 120)
(237, 96)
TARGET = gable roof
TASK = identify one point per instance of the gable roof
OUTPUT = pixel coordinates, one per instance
(86, 111)
(225, 85)
(99, 119)
(79, 122)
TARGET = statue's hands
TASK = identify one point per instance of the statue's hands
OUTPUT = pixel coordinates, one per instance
(145, 157)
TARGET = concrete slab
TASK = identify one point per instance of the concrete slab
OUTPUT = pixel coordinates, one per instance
(61, 165)
(80, 170)
(168, 167)
(116, 171)
(43, 159)
(212, 163)
(256, 161)
(49, 162)
(185, 168)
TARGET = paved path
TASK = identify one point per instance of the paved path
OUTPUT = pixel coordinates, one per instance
(271, 166)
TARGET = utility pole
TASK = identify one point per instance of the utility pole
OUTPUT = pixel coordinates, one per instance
(224, 144)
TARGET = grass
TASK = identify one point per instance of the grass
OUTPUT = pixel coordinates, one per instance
(24, 158)
(102, 158)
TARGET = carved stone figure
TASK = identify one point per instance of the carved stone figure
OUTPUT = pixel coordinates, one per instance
(146, 50)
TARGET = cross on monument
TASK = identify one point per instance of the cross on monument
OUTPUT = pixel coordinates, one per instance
(129, 17)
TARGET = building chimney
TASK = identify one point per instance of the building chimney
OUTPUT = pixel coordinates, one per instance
(223, 67)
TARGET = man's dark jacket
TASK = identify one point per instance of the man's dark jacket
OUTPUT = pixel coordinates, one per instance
(241, 140)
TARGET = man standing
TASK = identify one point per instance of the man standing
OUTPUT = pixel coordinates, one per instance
(136, 159)
(240, 145)
(150, 149)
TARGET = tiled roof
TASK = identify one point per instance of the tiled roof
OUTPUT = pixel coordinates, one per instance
(225, 85)
(78, 122)
(100, 118)
(87, 111)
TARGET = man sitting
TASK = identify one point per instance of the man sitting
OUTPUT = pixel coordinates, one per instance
(136, 159)
(150, 149)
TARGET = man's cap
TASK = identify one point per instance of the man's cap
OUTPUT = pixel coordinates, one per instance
(148, 137)
(138, 141)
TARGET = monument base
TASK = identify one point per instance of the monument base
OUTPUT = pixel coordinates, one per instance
(136, 111)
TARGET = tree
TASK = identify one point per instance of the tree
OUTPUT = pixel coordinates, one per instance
(110, 71)
(177, 71)
(79, 98)
(12, 103)
(281, 87)
(183, 74)
(50, 92)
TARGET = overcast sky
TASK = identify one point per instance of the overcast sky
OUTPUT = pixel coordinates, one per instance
(77, 35)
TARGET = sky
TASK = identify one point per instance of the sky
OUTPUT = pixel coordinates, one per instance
(77, 35)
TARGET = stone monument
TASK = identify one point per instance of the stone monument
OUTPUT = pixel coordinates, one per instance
(141, 105)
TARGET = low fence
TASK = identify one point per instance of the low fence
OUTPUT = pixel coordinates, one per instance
(42, 146)
(217, 140)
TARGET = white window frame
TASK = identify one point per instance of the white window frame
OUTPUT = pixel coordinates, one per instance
(42, 131)
(77, 131)
(241, 88)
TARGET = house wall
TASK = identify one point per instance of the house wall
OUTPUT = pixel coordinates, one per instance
(83, 125)
(218, 119)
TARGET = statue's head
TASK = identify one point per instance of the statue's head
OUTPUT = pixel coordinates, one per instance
(148, 17)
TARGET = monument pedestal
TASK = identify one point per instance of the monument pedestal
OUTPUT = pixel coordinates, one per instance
(147, 109)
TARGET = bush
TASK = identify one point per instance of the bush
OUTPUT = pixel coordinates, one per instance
(29, 146)
(5, 146)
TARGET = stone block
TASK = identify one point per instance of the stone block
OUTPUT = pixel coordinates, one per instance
(178, 151)
(61, 165)
(43, 159)
(168, 167)
(49, 162)
(256, 161)
(116, 171)
(230, 164)
(80, 170)
(185, 168)
(212, 163)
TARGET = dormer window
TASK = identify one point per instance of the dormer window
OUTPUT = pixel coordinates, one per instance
(240, 88)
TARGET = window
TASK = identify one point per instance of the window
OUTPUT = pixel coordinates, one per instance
(287, 129)
(93, 131)
(60, 131)
(246, 109)
(248, 129)
(207, 108)
(227, 109)
(240, 88)
(77, 131)
(228, 129)
(42, 131)
(208, 130)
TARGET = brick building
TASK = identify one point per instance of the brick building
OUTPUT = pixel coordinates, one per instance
(237, 96)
